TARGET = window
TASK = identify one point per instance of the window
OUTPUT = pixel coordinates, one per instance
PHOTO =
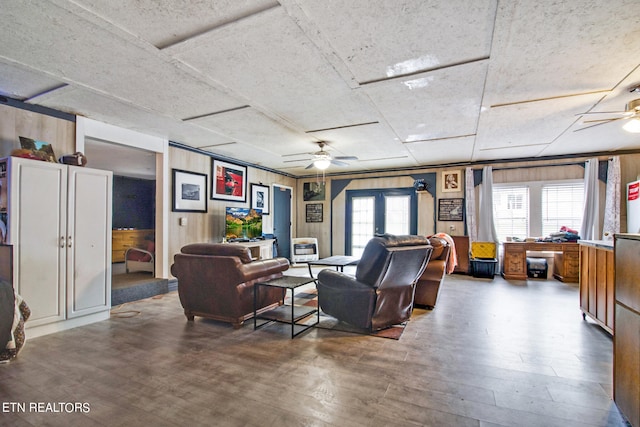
(537, 209)
(562, 205)
(511, 211)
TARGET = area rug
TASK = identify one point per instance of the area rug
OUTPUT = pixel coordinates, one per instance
(310, 298)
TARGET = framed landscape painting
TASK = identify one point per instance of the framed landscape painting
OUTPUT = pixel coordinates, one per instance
(189, 191)
(229, 181)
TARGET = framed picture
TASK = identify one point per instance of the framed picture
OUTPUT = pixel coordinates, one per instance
(260, 198)
(451, 181)
(450, 209)
(228, 181)
(314, 212)
(189, 191)
(313, 191)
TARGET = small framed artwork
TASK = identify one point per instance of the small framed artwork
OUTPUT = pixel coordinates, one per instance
(451, 181)
(228, 181)
(313, 191)
(189, 191)
(260, 198)
(314, 212)
(450, 209)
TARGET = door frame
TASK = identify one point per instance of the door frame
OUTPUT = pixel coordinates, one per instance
(379, 195)
(291, 218)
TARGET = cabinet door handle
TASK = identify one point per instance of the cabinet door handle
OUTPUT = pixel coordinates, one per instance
(69, 241)
(62, 241)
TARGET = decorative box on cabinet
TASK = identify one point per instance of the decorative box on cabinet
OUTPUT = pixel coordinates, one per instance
(59, 223)
(626, 338)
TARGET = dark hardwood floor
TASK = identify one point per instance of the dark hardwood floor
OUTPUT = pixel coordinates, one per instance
(492, 353)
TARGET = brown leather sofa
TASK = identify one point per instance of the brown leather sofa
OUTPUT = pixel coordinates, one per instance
(381, 293)
(216, 281)
(428, 285)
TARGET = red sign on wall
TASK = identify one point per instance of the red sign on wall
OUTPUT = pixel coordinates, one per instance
(633, 191)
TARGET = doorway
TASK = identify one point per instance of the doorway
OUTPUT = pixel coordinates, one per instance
(371, 212)
(282, 220)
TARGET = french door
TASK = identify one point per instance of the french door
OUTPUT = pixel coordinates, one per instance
(371, 212)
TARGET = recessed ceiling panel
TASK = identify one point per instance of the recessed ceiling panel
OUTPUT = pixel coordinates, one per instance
(437, 104)
(268, 59)
(380, 39)
(549, 48)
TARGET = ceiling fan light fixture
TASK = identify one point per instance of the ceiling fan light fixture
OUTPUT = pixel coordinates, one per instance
(632, 126)
(322, 164)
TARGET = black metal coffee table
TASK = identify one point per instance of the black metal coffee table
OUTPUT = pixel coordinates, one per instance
(337, 261)
(288, 313)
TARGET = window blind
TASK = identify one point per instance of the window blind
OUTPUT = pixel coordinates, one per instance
(562, 205)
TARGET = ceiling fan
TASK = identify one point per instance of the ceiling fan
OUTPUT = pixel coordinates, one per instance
(631, 113)
(322, 159)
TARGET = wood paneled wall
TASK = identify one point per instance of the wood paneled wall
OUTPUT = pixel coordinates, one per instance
(15, 122)
(209, 227)
(333, 225)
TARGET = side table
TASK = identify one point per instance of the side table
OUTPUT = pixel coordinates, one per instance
(337, 261)
(289, 313)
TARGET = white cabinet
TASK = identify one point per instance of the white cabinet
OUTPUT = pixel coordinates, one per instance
(59, 222)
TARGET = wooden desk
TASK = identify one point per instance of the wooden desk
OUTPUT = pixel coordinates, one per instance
(566, 265)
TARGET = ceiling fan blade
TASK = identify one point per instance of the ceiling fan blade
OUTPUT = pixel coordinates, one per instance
(602, 112)
(310, 166)
(597, 124)
(296, 160)
(346, 158)
(604, 120)
(338, 163)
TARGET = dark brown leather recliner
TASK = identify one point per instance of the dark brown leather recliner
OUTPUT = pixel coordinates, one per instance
(216, 281)
(429, 284)
(381, 293)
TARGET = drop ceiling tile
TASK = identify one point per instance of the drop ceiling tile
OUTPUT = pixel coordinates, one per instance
(81, 52)
(548, 48)
(532, 124)
(165, 22)
(268, 59)
(371, 141)
(262, 131)
(103, 108)
(380, 39)
(21, 83)
(437, 104)
(443, 151)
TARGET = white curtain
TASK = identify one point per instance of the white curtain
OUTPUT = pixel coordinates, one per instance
(591, 200)
(611, 224)
(486, 227)
(470, 205)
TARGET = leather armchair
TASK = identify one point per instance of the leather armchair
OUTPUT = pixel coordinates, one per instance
(216, 281)
(381, 293)
(429, 283)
